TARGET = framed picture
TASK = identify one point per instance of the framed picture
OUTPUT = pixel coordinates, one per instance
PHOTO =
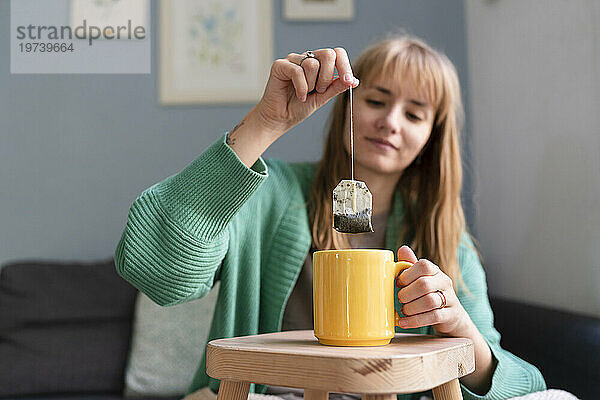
(324, 10)
(214, 51)
(114, 13)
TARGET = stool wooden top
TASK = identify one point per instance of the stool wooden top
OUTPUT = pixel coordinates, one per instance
(410, 363)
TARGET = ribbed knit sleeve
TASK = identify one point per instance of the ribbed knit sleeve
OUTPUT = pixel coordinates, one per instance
(512, 376)
(175, 238)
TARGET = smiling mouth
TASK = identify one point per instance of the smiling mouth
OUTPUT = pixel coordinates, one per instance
(384, 144)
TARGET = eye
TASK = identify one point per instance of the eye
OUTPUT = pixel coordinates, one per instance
(413, 117)
(375, 103)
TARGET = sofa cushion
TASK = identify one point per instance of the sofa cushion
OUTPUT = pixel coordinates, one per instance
(167, 345)
(64, 328)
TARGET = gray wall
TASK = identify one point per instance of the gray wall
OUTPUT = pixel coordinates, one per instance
(535, 90)
(76, 150)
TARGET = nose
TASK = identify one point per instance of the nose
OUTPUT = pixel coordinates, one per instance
(390, 119)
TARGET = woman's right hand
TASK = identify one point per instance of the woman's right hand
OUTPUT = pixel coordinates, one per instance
(298, 85)
(288, 100)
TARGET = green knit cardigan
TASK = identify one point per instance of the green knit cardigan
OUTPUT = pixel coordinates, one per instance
(248, 227)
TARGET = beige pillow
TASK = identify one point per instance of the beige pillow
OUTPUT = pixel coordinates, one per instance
(167, 345)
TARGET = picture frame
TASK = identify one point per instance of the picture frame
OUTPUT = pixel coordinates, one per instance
(318, 10)
(101, 13)
(214, 51)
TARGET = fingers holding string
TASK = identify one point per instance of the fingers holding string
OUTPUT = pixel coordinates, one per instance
(342, 64)
(318, 69)
(330, 60)
(346, 77)
(339, 76)
(322, 64)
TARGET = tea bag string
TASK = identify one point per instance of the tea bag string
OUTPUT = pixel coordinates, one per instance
(351, 139)
(352, 154)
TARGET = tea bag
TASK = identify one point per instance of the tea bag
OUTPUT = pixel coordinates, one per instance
(352, 200)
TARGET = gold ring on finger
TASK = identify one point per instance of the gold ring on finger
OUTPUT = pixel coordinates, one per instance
(443, 298)
(307, 54)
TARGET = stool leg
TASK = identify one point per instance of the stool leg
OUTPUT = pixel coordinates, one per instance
(233, 390)
(312, 394)
(448, 391)
(388, 396)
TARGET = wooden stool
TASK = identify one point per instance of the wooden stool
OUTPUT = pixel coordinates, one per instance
(410, 363)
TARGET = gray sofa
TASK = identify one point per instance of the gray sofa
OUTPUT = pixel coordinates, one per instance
(65, 333)
(65, 330)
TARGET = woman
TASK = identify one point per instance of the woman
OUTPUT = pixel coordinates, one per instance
(253, 225)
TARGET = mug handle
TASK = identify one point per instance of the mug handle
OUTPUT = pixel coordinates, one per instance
(398, 268)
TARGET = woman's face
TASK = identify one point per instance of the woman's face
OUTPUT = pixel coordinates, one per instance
(392, 123)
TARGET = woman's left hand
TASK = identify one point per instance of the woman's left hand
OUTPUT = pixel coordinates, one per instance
(422, 303)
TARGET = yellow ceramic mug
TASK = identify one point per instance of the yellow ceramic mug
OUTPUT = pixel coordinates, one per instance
(353, 296)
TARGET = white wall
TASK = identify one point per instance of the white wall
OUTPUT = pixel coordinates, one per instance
(534, 82)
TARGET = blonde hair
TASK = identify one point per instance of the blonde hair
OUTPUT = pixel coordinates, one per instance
(430, 186)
